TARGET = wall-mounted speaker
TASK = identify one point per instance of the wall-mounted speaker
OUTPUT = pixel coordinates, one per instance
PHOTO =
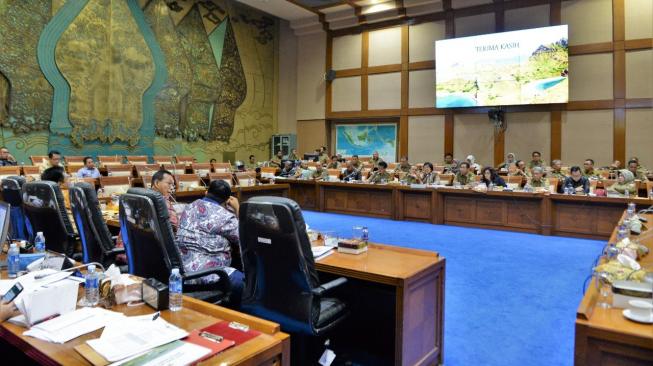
(330, 75)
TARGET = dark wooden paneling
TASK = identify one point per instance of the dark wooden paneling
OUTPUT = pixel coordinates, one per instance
(417, 206)
(448, 132)
(524, 214)
(619, 135)
(457, 209)
(490, 212)
(305, 195)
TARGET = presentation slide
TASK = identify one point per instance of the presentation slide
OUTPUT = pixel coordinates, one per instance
(511, 68)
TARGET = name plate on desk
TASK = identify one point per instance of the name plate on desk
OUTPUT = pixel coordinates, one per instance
(418, 186)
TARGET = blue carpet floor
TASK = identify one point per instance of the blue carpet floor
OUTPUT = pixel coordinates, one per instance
(511, 298)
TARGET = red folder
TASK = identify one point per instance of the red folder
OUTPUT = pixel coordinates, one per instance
(238, 336)
(215, 347)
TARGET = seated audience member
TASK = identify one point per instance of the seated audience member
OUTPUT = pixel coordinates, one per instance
(412, 177)
(625, 183)
(537, 180)
(380, 175)
(464, 175)
(293, 155)
(164, 183)
(450, 165)
(376, 160)
(520, 169)
(252, 163)
(208, 233)
(57, 174)
(588, 169)
(615, 166)
(351, 173)
(340, 158)
(633, 167)
(275, 162)
(319, 173)
(288, 170)
(356, 162)
(578, 182)
(490, 176)
(333, 164)
(474, 167)
(213, 161)
(428, 175)
(88, 170)
(556, 170)
(54, 159)
(510, 161)
(6, 159)
(403, 165)
(536, 160)
(324, 156)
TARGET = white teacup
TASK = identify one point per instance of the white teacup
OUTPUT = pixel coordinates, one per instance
(640, 308)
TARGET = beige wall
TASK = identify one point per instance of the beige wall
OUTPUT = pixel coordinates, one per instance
(587, 134)
(584, 133)
(311, 64)
(639, 129)
(426, 139)
(310, 135)
(528, 132)
(287, 85)
(473, 134)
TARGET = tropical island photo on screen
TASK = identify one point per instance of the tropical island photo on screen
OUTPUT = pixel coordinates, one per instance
(510, 68)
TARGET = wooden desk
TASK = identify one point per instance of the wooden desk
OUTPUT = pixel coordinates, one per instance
(604, 336)
(396, 296)
(277, 189)
(546, 214)
(272, 347)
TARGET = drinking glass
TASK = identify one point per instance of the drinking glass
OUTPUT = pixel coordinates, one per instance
(604, 289)
(330, 238)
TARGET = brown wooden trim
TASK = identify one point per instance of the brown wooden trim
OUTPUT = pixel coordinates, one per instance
(404, 72)
(639, 44)
(421, 65)
(580, 105)
(426, 111)
(639, 103)
(618, 20)
(401, 9)
(328, 92)
(448, 132)
(365, 60)
(555, 12)
(619, 74)
(619, 135)
(365, 114)
(345, 73)
(384, 69)
(586, 49)
(556, 135)
(499, 147)
(403, 136)
(320, 16)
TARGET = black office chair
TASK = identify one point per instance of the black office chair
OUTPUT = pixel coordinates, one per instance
(97, 243)
(151, 247)
(11, 193)
(44, 206)
(281, 282)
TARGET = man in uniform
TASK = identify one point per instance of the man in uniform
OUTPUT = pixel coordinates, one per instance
(633, 166)
(376, 160)
(275, 162)
(556, 170)
(251, 164)
(450, 165)
(6, 159)
(536, 160)
(351, 173)
(403, 165)
(538, 180)
(464, 176)
(588, 169)
(381, 175)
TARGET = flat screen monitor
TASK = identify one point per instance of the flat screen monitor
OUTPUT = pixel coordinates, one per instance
(510, 68)
(5, 215)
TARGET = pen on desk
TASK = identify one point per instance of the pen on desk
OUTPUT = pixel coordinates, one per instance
(156, 316)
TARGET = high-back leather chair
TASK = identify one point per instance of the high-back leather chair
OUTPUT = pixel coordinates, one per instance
(44, 206)
(282, 284)
(11, 193)
(97, 243)
(151, 248)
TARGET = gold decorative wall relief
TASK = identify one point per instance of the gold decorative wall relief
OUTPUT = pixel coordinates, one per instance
(108, 65)
(27, 96)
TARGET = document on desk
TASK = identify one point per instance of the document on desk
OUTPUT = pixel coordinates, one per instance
(134, 335)
(177, 353)
(39, 302)
(72, 325)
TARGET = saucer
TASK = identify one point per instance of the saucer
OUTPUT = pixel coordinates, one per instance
(629, 315)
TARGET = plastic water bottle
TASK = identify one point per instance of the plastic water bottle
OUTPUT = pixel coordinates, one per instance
(91, 287)
(175, 290)
(39, 242)
(13, 261)
(365, 234)
(631, 210)
(437, 180)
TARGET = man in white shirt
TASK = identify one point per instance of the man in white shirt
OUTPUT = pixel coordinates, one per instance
(88, 170)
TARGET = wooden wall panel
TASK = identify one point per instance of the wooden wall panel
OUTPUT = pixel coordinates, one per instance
(346, 94)
(638, 19)
(528, 132)
(422, 40)
(525, 18)
(384, 91)
(639, 74)
(639, 129)
(576, 13)
(311, 134)
(426, 139)
(590, 77)
(474, 135)
(385, 46)
(587, 134)
(347, 52)
(474, 25)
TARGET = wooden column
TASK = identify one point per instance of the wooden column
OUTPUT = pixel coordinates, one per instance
(556, 134)
(403, 119)
(364, 65)
(499, 137)
(619, 82)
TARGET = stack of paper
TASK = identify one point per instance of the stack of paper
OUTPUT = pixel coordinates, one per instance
(72, 325)
(321, 251)
(134, 335)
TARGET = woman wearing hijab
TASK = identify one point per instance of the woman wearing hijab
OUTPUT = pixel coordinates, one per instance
(473, 165)
(625, 183)
(511, 158)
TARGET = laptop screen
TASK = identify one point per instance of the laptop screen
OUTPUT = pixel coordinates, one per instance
(4, 221)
